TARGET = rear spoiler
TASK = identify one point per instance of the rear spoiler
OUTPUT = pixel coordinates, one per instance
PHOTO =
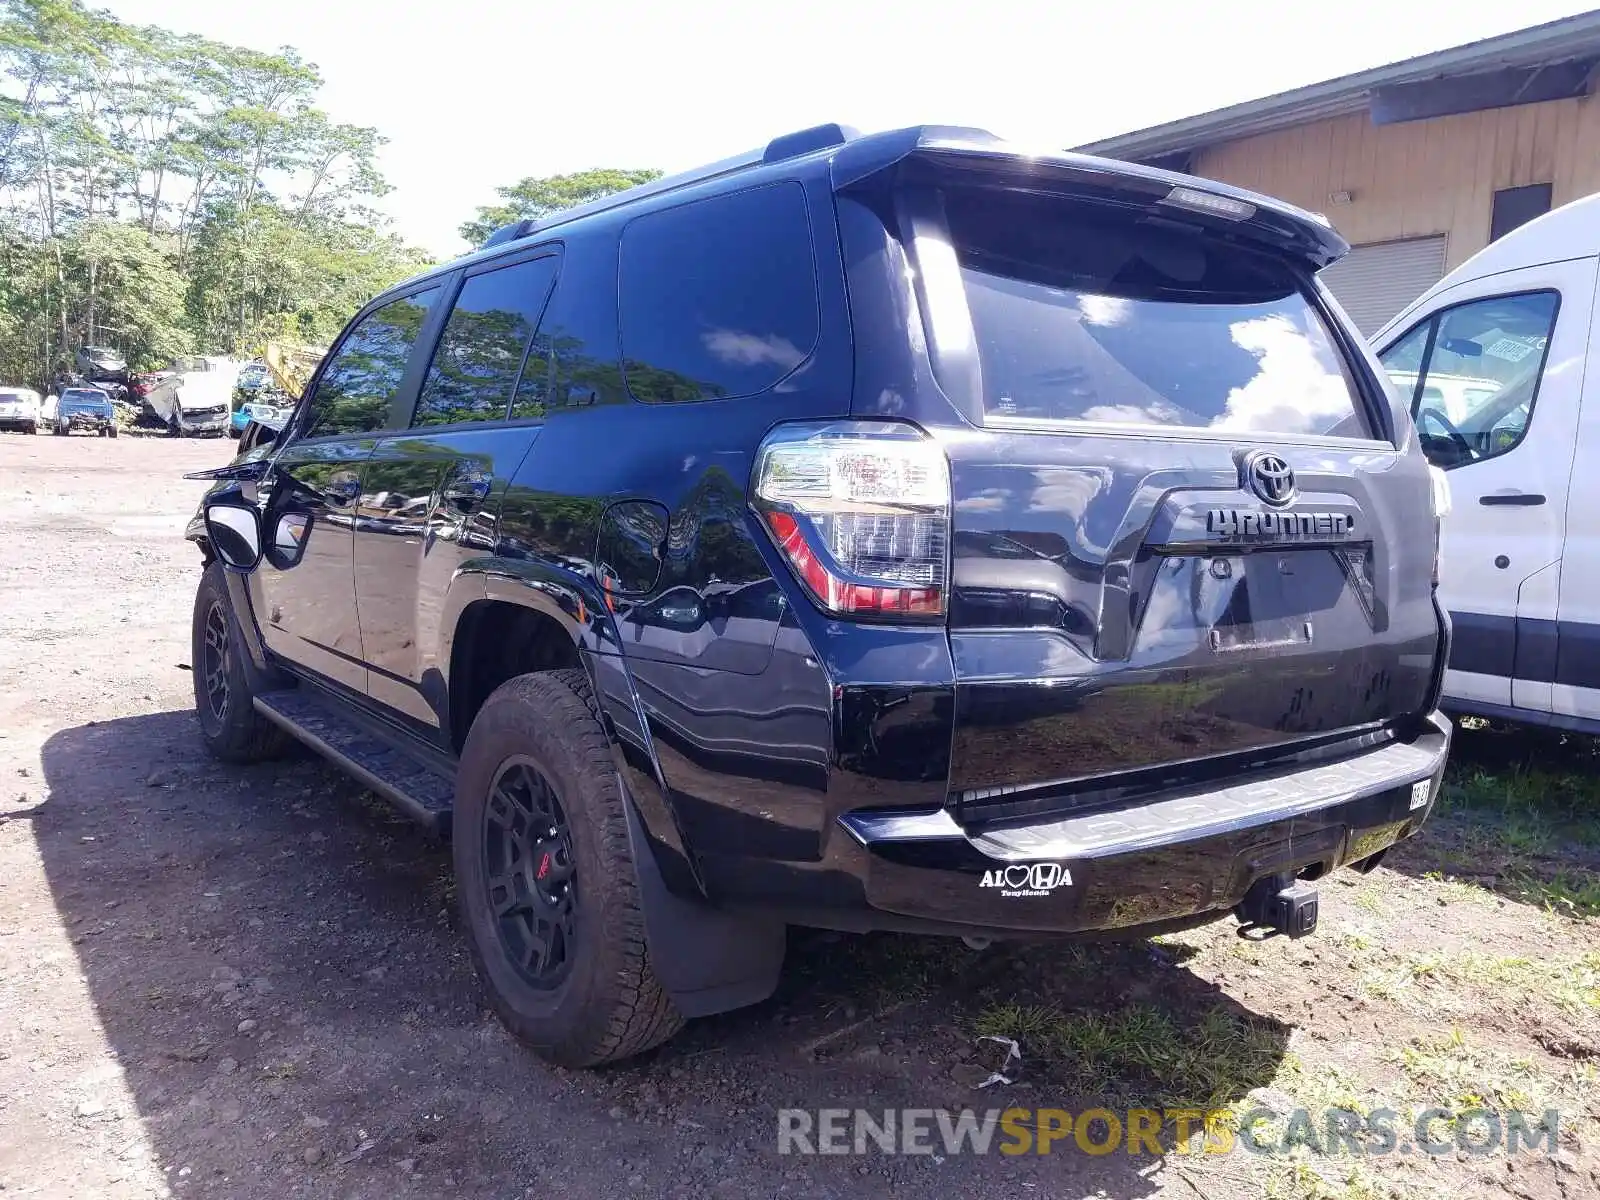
(952, 151)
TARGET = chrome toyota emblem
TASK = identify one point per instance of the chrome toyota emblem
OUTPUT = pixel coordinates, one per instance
(1270, 478)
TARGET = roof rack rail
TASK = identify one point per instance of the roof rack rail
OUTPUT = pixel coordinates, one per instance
(790, 145)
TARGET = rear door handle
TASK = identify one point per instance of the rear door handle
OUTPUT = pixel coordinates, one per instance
(1512, 499)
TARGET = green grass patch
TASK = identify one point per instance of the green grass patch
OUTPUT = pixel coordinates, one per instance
(1144, 1051)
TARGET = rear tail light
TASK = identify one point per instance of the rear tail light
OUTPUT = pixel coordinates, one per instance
(861, 512)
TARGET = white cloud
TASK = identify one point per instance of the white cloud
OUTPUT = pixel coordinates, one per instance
(1293, 390)
(749, 349)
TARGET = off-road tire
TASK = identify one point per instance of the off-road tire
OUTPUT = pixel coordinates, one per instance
(609, 1005)
(239, 734)
(112, 432)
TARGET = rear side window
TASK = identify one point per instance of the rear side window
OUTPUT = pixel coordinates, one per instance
(474, 369)
(357, 386)
(573, 361)
(718, 297)
(1083, 314)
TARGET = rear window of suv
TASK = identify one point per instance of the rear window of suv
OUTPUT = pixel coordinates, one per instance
(1087, 314)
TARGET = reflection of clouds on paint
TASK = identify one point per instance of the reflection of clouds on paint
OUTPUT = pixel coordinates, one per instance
(988, 500)
(1296, 387)
(1104, 310)
(1157, 412)
(749, 349)
(1066, 491)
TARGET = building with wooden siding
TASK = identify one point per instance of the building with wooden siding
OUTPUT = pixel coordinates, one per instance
(1419, 164)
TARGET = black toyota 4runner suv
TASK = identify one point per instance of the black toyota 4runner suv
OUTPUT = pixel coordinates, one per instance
(890, 532)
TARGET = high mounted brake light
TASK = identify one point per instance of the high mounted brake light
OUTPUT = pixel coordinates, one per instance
(1209, 202)
(861, 512)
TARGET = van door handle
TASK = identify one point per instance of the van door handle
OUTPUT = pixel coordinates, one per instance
(1512, 499)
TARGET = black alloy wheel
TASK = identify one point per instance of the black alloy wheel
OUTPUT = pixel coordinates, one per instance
(530, 874)
(214, 661)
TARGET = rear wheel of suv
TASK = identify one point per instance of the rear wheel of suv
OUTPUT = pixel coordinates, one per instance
(224, 684)
(546, 877)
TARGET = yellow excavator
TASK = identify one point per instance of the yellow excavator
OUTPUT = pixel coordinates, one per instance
(291, 365)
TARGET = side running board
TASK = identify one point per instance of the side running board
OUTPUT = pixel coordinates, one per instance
(407, 776)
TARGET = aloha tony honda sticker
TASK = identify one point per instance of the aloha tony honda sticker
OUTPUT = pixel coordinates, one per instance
(1027, 879)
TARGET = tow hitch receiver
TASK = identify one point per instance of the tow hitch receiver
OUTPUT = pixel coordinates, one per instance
(1279, 903)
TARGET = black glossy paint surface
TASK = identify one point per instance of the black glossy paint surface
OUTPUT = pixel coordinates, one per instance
(308, 612)
(427, 509)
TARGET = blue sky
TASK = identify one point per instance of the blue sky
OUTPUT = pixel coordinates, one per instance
(477, 93)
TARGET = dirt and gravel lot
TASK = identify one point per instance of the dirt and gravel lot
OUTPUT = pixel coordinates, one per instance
(218, 981)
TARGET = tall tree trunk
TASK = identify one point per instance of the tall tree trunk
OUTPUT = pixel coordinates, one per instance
(89, 323)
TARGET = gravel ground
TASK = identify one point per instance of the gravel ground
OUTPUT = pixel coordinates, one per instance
(220, 981)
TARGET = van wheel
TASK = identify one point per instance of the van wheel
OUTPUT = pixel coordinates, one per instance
(225, 681)
(546, 877)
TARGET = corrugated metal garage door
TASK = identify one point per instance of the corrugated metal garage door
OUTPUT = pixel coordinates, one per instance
(1375, 281)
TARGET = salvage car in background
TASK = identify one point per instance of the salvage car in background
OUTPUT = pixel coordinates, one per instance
(85, 408)
(196, 400)
(19, 409)
(271, 416)
(101, 362)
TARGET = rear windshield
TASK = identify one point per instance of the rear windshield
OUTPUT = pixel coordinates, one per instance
(1086, 314)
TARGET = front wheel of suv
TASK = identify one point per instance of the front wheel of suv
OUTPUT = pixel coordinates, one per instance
(224, 684)
(546, 877)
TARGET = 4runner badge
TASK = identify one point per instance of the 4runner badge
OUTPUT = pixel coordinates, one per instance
(1027, 879)
(1244, 525)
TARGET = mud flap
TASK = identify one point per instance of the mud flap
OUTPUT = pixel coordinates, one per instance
(709, 960)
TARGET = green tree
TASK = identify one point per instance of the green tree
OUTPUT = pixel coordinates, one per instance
(160, 192)
(534, 198)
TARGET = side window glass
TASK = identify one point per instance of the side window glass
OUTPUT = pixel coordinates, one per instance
(1481, 378)
(1402, 361)
(573, 360)
(358, 384)
(718, 297)
(475, 366)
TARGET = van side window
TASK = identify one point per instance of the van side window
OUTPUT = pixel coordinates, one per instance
(1472, 374)
(718, 297)
(357, 386)
(475, 366)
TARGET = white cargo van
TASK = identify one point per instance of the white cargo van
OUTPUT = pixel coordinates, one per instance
(1496, 361)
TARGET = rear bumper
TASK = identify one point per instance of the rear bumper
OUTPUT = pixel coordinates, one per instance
(1167, 861)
